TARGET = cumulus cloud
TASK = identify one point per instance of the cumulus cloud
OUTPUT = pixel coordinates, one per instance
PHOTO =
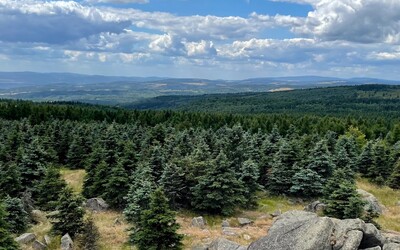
(53, 22)
(366, 21)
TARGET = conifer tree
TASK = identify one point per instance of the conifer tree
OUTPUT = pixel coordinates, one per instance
(6, 241)
(157, 228)
(341, 198)
(70, 217)
(48, 191)
(282, 172)
(10, 180)
(116, 187)
(249, 175)
(320, 160)
(138, 198)
(16, 217)
(89, 237)
(94, 160)
(381, 169)
(173, 182)
(366, 160)
(307, 183)
(394, 179)
(218, 191)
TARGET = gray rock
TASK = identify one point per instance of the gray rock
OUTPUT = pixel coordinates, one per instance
(96, 204)
(224, 244)
(353, 240)
(67, 243)
(199, 222)
(47, 240)
(398, 203)
(300, 230)
(228, 231)
(225, 223)
(37, 245)
(276, 213)
(315, 207)
(297, 230)
(342, 230)
(372, 237)
(244, 221)
(372, 248)
(391, 246)
(25, 238)
(371, 201)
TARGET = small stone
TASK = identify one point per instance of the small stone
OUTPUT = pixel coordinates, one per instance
(391, 246)
(47, 239)
(276, 213)
(246, 237)
(96, 204)
(398, 203)
(25, 238)
(38, 216)
(37, 245)
(225, 223)
(67, 243)
(244, 221)
(228, 231)
(198, 222)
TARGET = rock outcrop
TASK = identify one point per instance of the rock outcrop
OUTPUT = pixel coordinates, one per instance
(301, 230)
(315, 207)
(224, 244)
(25, 238)
(199, 222)
(67, 243)
(96, 204)
(371, 201)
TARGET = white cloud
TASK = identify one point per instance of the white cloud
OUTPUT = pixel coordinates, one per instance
(362, 21)
(202, 48)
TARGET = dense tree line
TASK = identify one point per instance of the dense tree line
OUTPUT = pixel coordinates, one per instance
(206, 168)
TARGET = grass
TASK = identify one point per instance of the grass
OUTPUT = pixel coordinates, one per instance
(390, 220)
(74, 178)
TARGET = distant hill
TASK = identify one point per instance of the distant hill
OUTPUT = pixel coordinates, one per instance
(361, 100)
(117, 90)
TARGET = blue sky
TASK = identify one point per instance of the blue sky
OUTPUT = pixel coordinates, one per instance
(230, 39)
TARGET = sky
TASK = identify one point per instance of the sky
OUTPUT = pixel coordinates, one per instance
(214, 39)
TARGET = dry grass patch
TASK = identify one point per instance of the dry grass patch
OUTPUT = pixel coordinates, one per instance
(74, 178)
(390, 220)
(112, 235)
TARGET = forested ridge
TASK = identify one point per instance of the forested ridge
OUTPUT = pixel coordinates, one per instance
(211, 163)
(358, 101)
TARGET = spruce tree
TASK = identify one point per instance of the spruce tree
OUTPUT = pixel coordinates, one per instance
(282, 172)
(157, 228)
(218, 191)
(394, 179)
(249, 174)
(138, 198)
(366, 160)
(173, 182)
(307, 183)
(48, 191)
(17, 218)
(70, 217)
(320, 160)
(341, 198)
(6, 240)
(116, 187)
(10, 180)
(381, 169)
(89, 237)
